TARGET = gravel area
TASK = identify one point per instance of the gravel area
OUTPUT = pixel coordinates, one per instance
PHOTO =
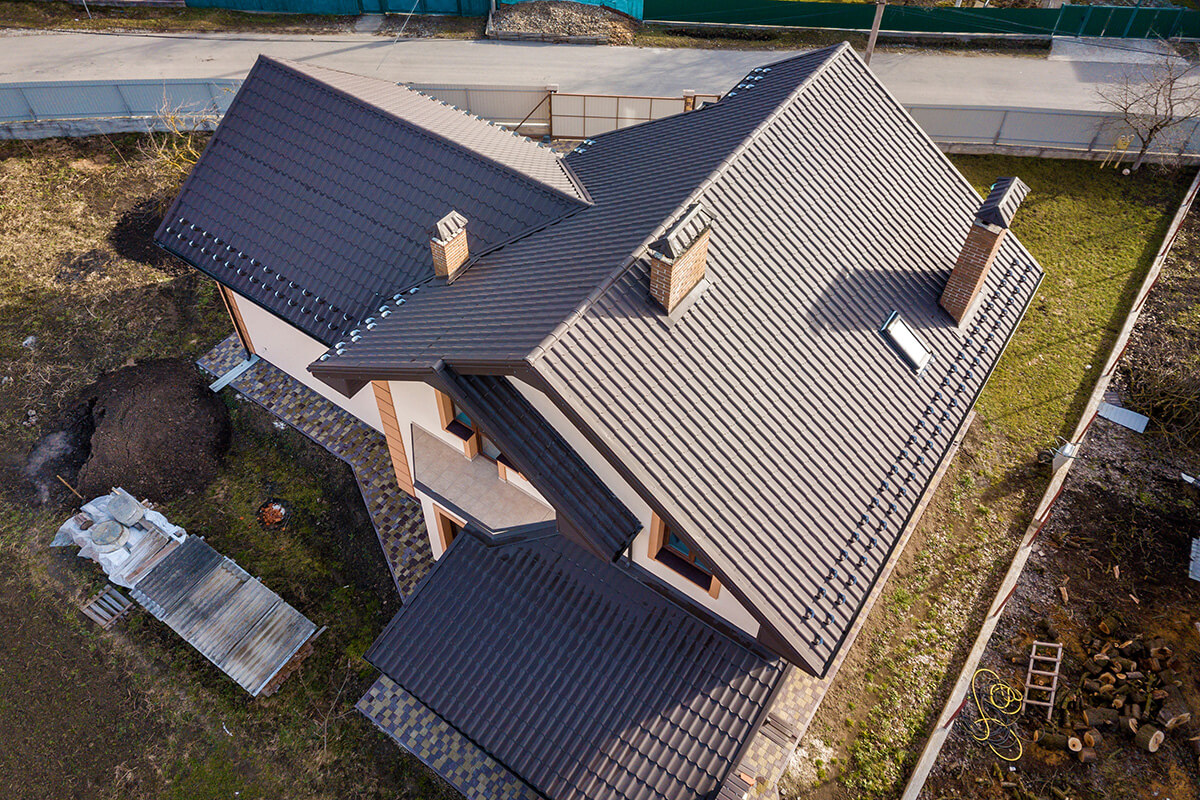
(562, 19)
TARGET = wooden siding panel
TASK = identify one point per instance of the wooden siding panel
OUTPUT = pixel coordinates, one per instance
(391, 432)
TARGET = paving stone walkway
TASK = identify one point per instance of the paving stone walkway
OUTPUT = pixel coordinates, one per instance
(397, 517)
(463, 765)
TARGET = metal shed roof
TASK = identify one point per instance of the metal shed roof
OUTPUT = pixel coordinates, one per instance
(234, 621)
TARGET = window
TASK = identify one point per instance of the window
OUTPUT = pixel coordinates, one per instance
(475, 442)
(905, 342)
(674, 552)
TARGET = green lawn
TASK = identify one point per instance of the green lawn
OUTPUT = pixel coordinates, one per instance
(1095, 233)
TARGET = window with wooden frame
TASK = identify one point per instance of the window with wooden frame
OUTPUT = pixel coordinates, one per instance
(669, 549)
(448, 527)
(475, 442)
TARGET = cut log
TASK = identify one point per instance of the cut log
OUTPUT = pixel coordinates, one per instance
(1091, 686)
(1086, 756)
(1194, 743)
(1174, 711)
(1108, 679)
(1149, 738)
(1095, 717)
(1058, 741)
(1128, 725)
(1092, 737)
(1109, 625)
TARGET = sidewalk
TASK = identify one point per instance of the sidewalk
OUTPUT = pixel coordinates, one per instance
(916, 78)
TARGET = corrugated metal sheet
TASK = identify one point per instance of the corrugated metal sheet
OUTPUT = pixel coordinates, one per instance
(580, 679)
(238, 624)
(1123, 416)
(1194, 567)
(267, 646)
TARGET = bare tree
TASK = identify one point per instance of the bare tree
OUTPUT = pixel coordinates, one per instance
(1154, 99)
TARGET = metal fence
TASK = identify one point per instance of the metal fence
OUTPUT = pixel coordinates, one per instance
(37, 110)
(68, 100)
(1045, 131)
(1131, 22)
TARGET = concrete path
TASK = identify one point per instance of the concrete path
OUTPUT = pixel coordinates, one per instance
(918, 77)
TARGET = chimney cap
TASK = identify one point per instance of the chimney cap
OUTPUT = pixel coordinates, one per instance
(680, 236)
(449, 225)
(1002, 202)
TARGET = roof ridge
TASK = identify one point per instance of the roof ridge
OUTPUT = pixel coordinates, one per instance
(302, 70)
(611, 279)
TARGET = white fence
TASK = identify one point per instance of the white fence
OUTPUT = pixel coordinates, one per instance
(37, 110)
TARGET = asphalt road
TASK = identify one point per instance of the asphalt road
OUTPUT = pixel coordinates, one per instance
(917, 77)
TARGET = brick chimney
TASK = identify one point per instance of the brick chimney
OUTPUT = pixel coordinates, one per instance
(449, 246)
(679, 258)
(983, 243)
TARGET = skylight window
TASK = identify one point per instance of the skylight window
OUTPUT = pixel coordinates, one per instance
(905, 341)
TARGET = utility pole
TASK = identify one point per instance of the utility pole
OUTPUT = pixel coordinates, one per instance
(879, 6)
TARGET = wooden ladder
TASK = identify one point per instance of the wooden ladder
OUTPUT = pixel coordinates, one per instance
(107, 606)
(1044, 664)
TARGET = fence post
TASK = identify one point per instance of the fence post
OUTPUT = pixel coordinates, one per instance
(1000, 127)
(1087, 15)
(125, 100)
(32, 114)
(1057, 20)
(1132, 16)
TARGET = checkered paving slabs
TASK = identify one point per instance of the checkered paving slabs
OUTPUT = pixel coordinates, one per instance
(440, 747)
(399, 524)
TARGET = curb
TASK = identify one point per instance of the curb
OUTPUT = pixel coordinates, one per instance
(958, 695)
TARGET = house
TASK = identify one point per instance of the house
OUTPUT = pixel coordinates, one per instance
(669, 402)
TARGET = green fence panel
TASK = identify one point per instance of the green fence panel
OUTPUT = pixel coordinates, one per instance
(1105, 21)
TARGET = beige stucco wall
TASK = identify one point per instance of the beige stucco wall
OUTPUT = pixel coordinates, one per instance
(292, 351)
(725, 605)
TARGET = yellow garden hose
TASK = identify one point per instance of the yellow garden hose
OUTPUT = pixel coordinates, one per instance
(998, 710)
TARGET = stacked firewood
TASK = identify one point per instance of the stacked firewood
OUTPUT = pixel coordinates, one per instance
(1130, 691)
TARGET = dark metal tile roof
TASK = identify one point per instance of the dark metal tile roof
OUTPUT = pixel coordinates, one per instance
(318, 193)
(518, 294)
(550, 464)
(772, 422)
(580, 679)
